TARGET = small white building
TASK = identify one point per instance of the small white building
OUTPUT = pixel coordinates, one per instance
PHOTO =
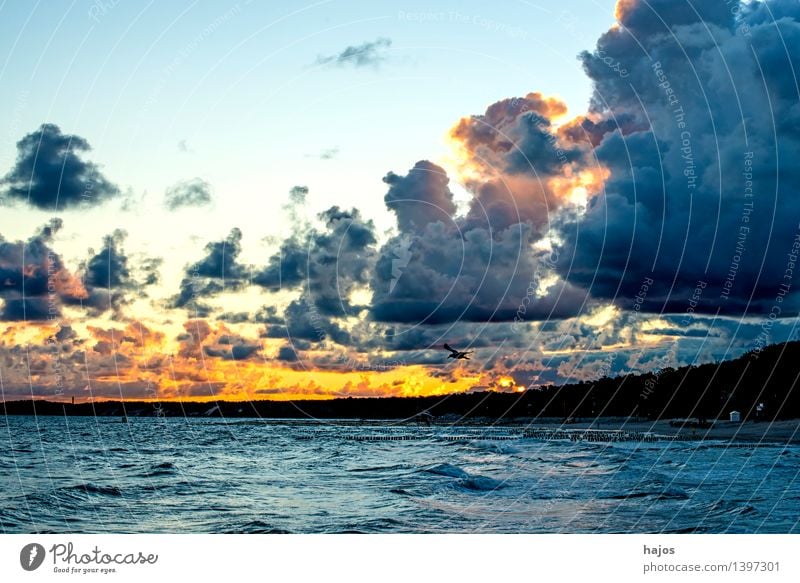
(735, 416)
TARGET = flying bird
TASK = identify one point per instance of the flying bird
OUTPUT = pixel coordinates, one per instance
(458, 354)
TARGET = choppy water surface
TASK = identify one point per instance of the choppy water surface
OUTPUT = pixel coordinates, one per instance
(215, 475)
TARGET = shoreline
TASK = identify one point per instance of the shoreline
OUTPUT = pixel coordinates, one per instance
(783, 431)
(600, 429)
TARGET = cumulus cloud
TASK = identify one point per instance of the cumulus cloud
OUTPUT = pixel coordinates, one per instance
(327, 265)
(104, 362)
(189, 193)
(699, 188)
(51, 173)
(215, 273)
(441, 268)
(672, 193)
(517, 166)
(287, 354)
(108, 268)
(367, 54)
(107, 275)
(34, 282)
(420, 197)
(112, 280)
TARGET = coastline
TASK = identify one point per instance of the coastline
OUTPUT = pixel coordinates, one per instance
(782, 431)
(599, 429)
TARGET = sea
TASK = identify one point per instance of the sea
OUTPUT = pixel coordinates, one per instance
(199, 475)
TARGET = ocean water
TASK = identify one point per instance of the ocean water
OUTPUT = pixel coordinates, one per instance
(92, 475)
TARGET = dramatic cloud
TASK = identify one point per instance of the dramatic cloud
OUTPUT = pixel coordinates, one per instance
(475, 277)
(633, 237)
(421, 197)
(190, 193)
(34, 283)
(108, 269)
(328, 266)
(518, 168)
(218, 271)
(367, 54)
(109, 278)
(51, 174)
(441, 268)
(229, 346)
(695, 114)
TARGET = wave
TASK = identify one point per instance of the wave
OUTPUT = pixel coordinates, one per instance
(163, 469)
(465, 480)
(480, 484)
(657, 494)
(448, 470)
(496, 446)
(90, 488)
(730, 508)
(254, 527)
(380, 468)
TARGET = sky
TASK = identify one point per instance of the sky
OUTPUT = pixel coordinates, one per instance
(242, 200)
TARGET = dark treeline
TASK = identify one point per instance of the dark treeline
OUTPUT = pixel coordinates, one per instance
(708, 391)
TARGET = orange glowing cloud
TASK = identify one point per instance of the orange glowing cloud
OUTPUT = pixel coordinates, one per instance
(137, 361)
(522, 167)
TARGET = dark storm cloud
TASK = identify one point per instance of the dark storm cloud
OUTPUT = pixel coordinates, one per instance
(51, 174)
(287, 354)
(34, 283)
(26, 310)
(215, 273)
(440, 270)
(327, 264)
(367, 54)
(109, 267)
(478, 278)
(107, 276)
(189, 193)
(111, 279)
(652, 17)
(234, 352)
(150, 267)
(303, 321)
(420, 197)
(583, 129)
(221, 260)
(286, 269)
(234, 317)
(702, 190)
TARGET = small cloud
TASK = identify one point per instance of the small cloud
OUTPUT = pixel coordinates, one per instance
(297, 195)
(329, 154)
(367, 54)
(51, 174)
(183, 147)
(189, 193)
(287, 354)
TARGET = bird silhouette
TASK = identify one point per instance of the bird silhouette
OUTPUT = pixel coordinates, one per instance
(458, 354)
